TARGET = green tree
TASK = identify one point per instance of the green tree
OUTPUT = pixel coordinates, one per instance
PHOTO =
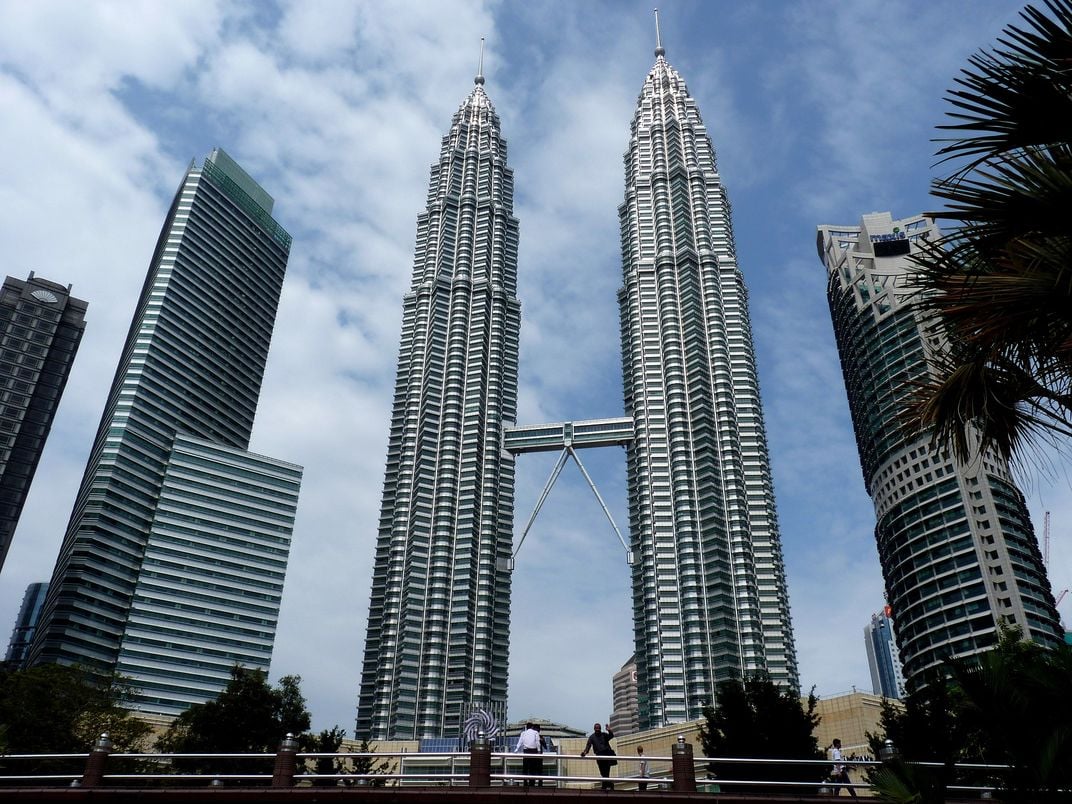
(328, 741)
(927, 729)
(1009, 705)
(52, 708)
(756, 718)
(1016, 699)
(370, 765)
(1001, 279)
(249, 716)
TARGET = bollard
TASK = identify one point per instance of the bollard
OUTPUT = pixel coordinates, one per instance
(285, 762)
(683, 767)
(93, 776)
(480, 761)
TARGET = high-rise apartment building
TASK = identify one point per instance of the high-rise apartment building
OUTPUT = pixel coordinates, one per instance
(25, 624)
(41, 325)
(439, 616)
(959, 555)
(172, 565)
(709, 592)
(883, 658)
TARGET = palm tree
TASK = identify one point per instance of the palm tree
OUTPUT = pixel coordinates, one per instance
(1000, 281)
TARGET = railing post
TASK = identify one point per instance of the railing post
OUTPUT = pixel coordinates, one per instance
(93, 776)
(480, 761)
(683, 767)
(286, 762)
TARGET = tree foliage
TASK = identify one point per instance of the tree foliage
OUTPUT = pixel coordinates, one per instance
(250, 716)
(756, 718)
(53, 709)
(1010, 706)
(369, 765)
(1001, 280)
(328, 741)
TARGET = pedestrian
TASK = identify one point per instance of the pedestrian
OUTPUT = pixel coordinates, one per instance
(839, 773)
(528, 743)
(599, 743)
(543, 747)
(643, 770)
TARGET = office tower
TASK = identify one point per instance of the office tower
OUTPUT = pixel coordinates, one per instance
(437, 644)
(883, 658)
(25, 624)
(625, 717)
(41, 325)
(172, 563)
(959, 555)
(709, 591)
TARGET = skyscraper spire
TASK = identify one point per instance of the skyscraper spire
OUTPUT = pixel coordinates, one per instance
(479, 80)
(439, 614)
(709, 590)
(659, 49)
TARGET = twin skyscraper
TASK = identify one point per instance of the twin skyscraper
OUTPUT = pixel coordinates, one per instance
(709, 590)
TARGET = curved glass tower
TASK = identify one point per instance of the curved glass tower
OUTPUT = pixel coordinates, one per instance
(439, 615)
(959, 555)
(709, 590)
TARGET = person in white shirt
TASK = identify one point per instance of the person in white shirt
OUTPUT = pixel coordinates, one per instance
(839, 773)
(528, 742)
(643, 769)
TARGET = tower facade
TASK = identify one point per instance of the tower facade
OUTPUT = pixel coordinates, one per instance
(41, 325)
(623, 720)
(709, 592)
(437, 644)
(25, 624)
(959, 554)
(171, 505)
(883, 658)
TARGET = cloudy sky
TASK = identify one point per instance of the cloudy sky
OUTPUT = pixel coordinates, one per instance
(819, 111)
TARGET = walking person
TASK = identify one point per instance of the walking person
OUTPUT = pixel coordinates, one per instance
(528, 743)
(599, 744)
(643, 769)
(839, 773)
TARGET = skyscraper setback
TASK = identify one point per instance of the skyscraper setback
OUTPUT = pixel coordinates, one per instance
(438, 630)
(709, 591)
(958, 552)
(172, 566)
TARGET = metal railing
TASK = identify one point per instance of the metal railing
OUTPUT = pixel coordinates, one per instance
(680, 772)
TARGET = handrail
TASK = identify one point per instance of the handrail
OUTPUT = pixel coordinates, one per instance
(680, 772)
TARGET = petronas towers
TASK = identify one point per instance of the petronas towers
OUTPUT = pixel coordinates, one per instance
(709, 590)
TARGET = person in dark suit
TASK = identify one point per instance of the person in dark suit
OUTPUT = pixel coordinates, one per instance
(599, 743)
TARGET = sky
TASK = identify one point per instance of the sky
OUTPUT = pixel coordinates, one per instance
(819, 111)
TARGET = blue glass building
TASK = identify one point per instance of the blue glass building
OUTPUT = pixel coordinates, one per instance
(172, 564)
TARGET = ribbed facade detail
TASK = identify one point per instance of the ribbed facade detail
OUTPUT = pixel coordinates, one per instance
(439, 614)
(191, 367)
(211, 581)
(41, 325)
(709, 592)
(958, 551)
